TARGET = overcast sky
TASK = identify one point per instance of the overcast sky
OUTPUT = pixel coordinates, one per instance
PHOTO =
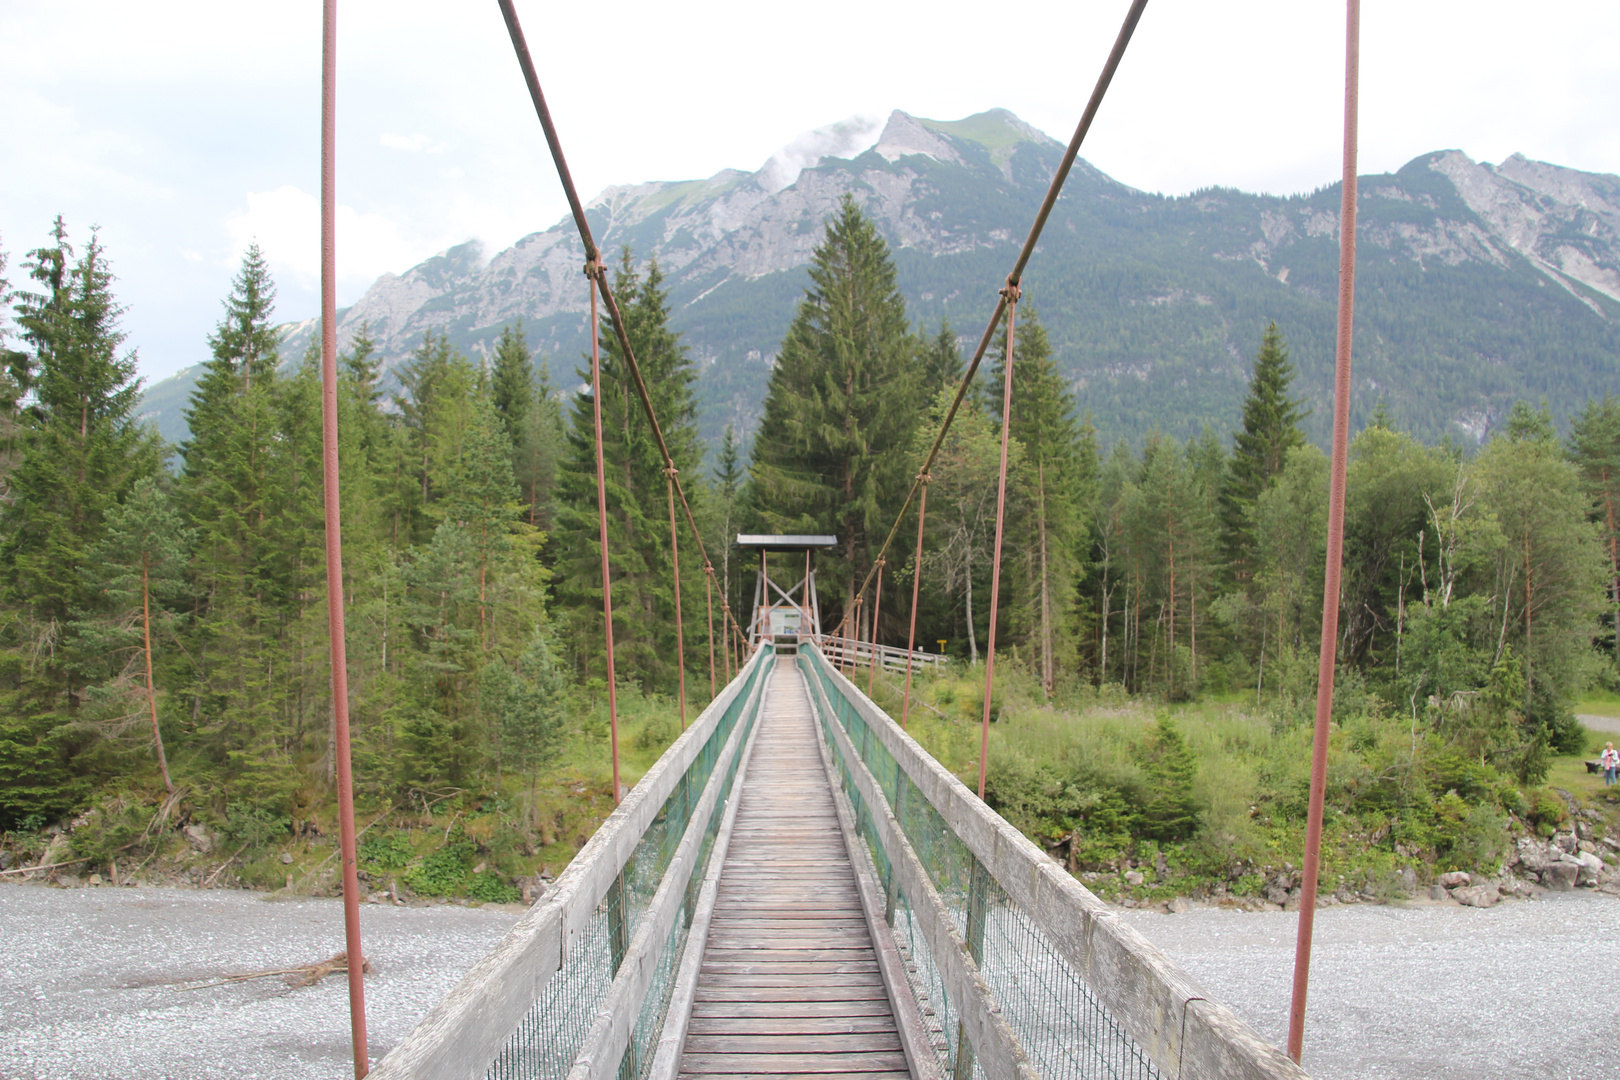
(187, 128)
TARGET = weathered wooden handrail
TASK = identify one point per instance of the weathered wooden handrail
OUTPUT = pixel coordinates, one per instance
(469, 1030)
(1184, 1032)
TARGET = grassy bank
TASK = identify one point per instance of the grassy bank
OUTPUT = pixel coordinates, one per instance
(1145, 801)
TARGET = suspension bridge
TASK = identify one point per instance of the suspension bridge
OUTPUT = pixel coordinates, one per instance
(796, 888)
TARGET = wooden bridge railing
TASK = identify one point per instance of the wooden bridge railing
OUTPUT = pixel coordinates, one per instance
(579, 987)
(1026, 973)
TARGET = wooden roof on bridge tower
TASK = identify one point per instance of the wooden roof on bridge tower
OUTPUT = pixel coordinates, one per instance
(768, 542)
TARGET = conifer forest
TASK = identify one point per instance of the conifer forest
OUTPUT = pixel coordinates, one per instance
(163, 617)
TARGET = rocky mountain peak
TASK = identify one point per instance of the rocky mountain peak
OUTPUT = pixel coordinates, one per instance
(905, 135)
(1567, 223)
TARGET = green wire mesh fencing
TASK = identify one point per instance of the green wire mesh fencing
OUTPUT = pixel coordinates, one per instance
(1059, 1021)
(552, 1032)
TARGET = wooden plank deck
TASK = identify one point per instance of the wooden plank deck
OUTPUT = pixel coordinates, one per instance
(789, 984)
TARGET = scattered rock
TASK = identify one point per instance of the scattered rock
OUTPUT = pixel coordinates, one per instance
(1134, 877)
(1406, 881)
(1560, 876)
(95, 879)
(1484, 895)
(1127, 902)
(286, 858)
(1455, 879)
(1277, 894)
(1586, 847)
(1612, 842)
(1178, 905)
(199, 838)
(1436, 893)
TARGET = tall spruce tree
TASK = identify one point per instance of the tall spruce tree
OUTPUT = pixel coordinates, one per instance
(141, 563)
(637, 491)
(1271, 428)
(81, 452)
(14, 372)
(941, 361)
(842, 403)
(1594, 446)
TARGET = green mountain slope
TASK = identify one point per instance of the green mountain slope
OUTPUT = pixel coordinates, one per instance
(1477, 284)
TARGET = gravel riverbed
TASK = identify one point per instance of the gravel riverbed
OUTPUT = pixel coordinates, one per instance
(90, 983)
(1423, 992)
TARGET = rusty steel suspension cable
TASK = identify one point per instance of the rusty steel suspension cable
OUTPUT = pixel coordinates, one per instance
(675, 561)
(877, 607)
(1010, 298)
(1328, 649)
(708, 608)
(332, 503)
(593, 255)
(916, 582)
(1110, 66)
(596, 272)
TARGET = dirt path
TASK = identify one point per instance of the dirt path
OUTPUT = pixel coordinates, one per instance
(87, 981)
(1430, 992)
(1608, 724)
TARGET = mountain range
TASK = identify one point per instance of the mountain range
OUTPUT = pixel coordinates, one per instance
(1477, 284)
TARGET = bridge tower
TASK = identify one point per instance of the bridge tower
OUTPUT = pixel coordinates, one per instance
(782, 616)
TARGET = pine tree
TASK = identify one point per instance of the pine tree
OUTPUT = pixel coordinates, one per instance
(512, 381)
(1594, 446)
(1271, 428)
(729, 478)
(85, 450)
(81, 452)
(637, 490)
(15, 370)
(942, 361)
(141, 562)
(841, 404)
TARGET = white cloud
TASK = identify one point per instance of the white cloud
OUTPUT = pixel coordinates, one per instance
(846, 139)
(415, 143)
(286, 223)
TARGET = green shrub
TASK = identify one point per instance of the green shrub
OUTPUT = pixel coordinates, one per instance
(492, 889)
(253, 827)
(385, 850)
(1544, 810)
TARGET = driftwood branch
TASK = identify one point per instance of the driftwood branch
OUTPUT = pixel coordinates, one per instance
(302, 975)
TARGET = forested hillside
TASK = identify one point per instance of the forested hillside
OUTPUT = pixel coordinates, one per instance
(162, 631)
(1479, 284)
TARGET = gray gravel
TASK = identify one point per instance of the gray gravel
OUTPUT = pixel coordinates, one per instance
(1426, 992)
(88, 981)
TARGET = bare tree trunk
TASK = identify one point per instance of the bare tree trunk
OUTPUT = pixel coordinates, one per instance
(1046, 598)
(151, 689)
(973, 641)
(1170, 643)
(1529, 595)
(1614, 566)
